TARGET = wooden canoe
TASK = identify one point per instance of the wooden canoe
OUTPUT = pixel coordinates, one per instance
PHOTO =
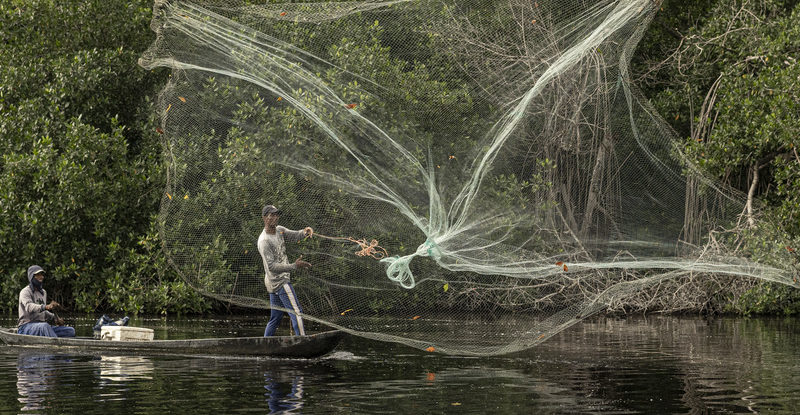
(277, 346)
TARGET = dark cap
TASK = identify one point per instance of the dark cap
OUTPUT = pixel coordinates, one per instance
(269, 209)
(33, 270)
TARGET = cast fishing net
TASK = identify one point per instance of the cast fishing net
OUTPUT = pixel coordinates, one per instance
(457, 159)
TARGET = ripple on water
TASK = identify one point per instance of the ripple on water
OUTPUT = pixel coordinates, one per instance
(665, 365)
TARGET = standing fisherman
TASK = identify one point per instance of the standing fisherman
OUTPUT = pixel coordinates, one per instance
(34, 315)
(272, 247)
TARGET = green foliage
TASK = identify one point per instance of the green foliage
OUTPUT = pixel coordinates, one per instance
(80, 175)
(767, 298)
(730, 90)
(218, 181)
(739, 60)
(140, 280)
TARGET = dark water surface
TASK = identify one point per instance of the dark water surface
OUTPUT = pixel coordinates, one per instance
(602, 365)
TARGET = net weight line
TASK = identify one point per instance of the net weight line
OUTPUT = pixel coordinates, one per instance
(370, 249)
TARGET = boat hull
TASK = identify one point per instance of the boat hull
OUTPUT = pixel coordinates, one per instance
(277, 346)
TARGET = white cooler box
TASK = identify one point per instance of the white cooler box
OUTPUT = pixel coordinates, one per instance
(125, 333)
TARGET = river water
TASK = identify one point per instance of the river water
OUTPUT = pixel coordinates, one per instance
(602, 365)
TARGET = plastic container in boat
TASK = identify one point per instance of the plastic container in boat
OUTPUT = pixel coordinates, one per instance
(124, 333)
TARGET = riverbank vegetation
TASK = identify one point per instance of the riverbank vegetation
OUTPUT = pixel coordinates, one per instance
(82, 174)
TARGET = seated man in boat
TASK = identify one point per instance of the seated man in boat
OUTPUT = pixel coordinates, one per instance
(272, 247)
(34, 315)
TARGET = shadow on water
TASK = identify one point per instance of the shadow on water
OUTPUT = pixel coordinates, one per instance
(602, 365)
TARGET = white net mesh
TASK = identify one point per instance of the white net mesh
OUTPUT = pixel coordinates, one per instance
(496, 151)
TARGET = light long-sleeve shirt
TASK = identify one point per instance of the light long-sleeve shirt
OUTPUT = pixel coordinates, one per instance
(32, 306)
(272, 248)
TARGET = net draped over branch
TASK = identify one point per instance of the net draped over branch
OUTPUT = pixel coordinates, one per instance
(469, 157)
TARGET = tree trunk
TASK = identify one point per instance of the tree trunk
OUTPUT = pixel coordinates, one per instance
(750, 193)
(594, 184)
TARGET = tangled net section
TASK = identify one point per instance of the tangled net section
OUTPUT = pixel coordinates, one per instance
(469, 158)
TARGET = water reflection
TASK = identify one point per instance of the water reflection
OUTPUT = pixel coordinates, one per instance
(601, 365)
(284, 391)
(122, 368)
(36, 376)
(701, 365)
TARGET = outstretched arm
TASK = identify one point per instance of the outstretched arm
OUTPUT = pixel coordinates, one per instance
(294, 236)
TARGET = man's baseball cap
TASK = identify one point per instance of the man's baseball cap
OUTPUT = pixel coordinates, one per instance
(269, 209)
